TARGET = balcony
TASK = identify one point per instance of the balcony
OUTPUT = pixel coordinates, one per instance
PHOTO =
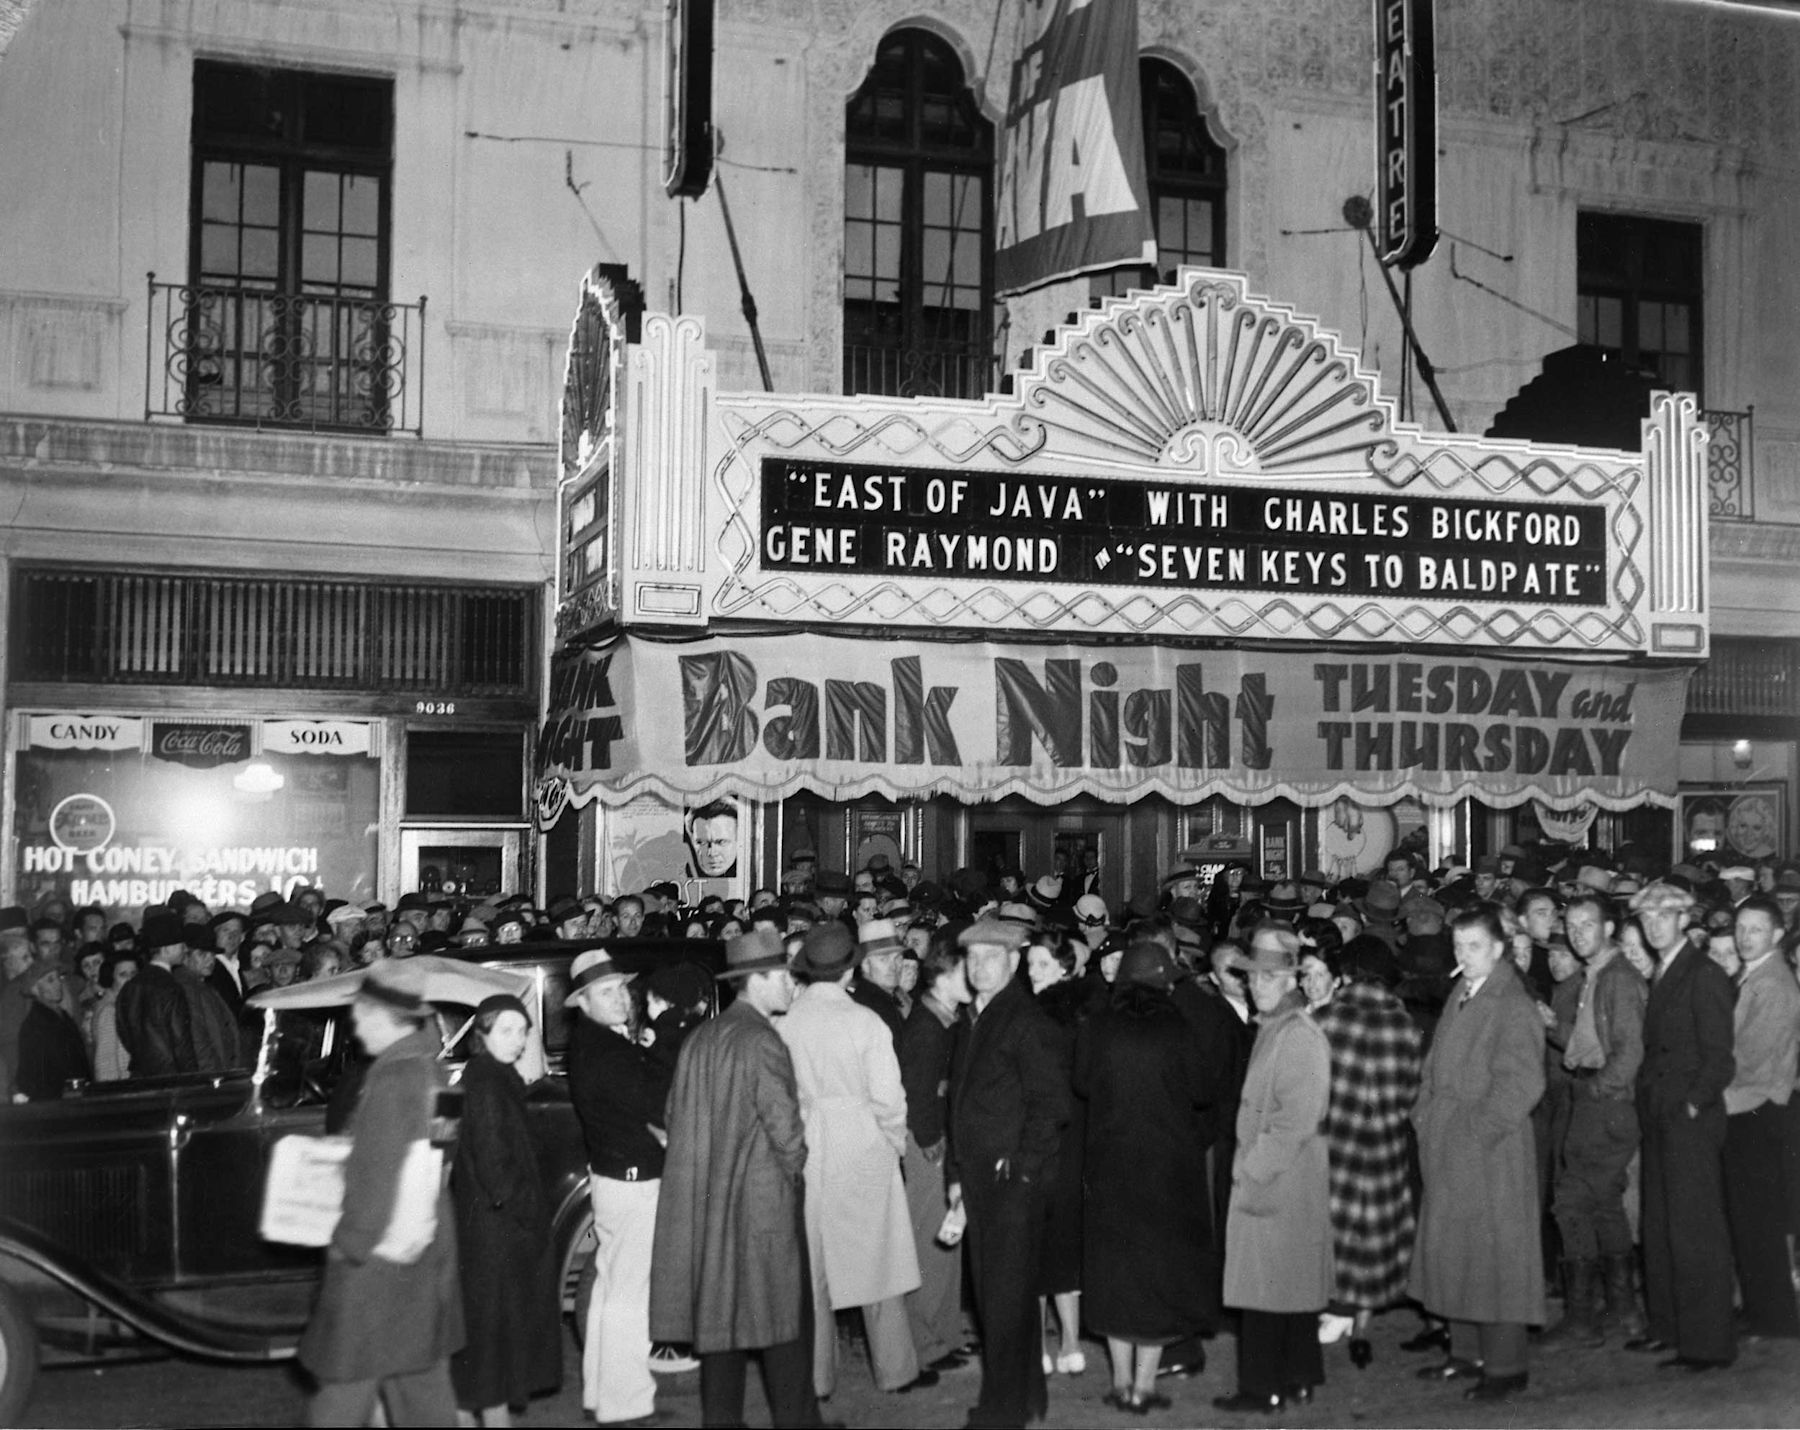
(313, 362)
(1747, 676)
(1730, 465)
(943, 369)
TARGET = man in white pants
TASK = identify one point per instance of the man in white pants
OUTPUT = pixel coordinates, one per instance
(619, 1089)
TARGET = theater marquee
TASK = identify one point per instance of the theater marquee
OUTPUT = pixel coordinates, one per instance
(1190, 461)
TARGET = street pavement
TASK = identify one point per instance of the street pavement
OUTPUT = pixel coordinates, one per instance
(1608, 1387)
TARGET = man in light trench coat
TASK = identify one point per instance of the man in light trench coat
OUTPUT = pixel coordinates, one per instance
(1477, 1261)
(853, 1106)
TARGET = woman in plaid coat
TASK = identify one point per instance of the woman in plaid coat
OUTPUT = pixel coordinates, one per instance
(1375, 1059)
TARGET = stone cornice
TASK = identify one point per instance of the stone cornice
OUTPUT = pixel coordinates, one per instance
(1755, 541)
(50, 444)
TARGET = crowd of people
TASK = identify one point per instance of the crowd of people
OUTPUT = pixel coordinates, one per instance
(1555, 1075)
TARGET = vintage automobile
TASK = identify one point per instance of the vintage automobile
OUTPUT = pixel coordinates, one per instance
(129, 1211)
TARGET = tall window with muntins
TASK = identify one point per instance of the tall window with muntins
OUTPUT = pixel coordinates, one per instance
(918, 226)
(1639, 284)
(1185, 170)
(286, 311)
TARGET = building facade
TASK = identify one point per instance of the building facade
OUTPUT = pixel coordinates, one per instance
(284, 315)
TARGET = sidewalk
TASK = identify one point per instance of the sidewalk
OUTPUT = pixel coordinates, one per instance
(1607, 1387)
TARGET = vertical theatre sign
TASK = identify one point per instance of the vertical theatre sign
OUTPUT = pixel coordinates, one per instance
(1406, 131)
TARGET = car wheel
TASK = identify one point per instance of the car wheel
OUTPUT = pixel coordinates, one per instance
(18, 1357)
(578, 1274)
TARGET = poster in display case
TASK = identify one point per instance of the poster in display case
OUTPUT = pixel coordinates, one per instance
(1727, 823)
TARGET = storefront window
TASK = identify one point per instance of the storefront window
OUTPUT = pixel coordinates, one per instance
(121, 811)
(460, 774)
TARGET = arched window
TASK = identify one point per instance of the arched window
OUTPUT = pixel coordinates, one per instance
(918, 226)
(1185, 168)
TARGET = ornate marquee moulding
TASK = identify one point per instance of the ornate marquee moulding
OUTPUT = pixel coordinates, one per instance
(554, 794)
(1195, 383)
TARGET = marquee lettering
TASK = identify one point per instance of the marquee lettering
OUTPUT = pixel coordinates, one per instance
(1101, 531)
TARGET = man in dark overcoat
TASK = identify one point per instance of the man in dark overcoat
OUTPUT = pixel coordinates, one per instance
(729, 1266)
(1688, 1064)
(389, 1315)
(50, 1047)
(1009, 1101)
(154, 1020)
(1476, 1262)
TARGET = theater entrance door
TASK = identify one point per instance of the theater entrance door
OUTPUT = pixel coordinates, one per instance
(1018, 834)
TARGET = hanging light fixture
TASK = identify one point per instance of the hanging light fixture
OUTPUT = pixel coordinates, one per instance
(257, 779)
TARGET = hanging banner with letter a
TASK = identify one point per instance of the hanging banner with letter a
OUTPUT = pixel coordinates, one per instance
(1072, 193)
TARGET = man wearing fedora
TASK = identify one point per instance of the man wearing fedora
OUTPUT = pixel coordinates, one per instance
(730, 1247)
(831, 892)
(389, 1314)
(155, 1025)
(1380, 910)
(620, 1091)
(852, 1105)
(1009, 1102)
(878, 953)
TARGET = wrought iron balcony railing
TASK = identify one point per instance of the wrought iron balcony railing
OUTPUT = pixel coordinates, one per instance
(1745, 675)
(943, 369)
(1731, 465)
(260, 358)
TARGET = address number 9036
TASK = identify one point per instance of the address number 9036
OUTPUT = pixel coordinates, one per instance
(434, 707)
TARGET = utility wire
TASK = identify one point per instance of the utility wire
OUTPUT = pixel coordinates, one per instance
(1461, 277)
(575, 189)
(615, 144)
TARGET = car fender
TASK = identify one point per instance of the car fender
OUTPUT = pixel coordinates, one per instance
(192, 1335)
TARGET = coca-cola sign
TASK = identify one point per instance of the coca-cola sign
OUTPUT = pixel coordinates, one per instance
(200, 746)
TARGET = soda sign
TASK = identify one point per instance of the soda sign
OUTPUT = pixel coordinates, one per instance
(315, 737)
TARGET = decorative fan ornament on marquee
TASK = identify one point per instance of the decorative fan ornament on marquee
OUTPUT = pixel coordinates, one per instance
(1194, 376)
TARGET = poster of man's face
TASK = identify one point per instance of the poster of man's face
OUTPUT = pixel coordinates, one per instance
(712, 834)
